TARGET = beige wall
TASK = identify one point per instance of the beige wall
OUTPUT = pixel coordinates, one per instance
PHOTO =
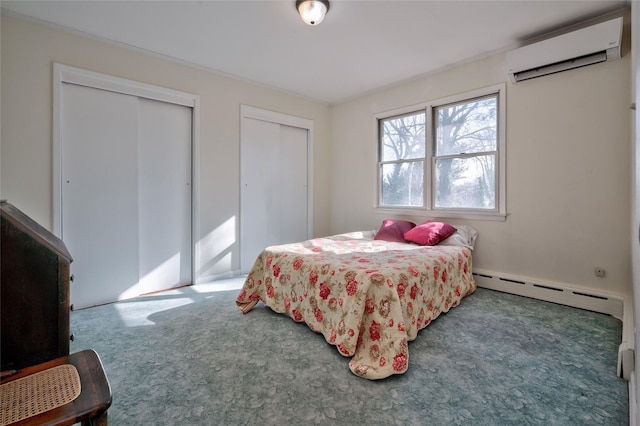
(568, 153)
(28, 52)
(568, 170)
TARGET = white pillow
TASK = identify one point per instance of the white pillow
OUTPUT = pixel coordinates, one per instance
(464, 236)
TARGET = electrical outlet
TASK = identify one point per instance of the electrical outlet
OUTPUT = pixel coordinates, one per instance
(599, 272)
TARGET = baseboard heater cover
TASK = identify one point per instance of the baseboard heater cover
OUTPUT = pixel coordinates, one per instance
(564, 294)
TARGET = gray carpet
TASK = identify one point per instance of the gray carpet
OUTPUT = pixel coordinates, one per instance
(189, 357)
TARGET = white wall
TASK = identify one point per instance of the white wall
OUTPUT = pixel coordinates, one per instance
(28, 53)
(568, 170)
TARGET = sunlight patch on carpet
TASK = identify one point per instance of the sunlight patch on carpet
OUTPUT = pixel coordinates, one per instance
(136, 313)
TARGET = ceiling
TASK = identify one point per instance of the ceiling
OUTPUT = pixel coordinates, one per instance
(361, 46)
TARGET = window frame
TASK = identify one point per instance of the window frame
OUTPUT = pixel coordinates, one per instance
(382, 163)
(429, 108)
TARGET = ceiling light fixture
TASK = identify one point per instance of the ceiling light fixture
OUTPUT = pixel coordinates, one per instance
(312, 11)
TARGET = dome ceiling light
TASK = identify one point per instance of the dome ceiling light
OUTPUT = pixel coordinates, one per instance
(312, 11)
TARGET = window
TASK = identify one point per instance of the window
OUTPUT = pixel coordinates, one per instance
(445, 157)
(403, 156)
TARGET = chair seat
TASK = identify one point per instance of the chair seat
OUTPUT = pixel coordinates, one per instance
(89, 407)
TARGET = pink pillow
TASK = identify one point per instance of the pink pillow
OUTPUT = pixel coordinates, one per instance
(393, 230)
(429, 233)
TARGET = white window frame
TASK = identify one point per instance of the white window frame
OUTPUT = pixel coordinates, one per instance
(497, 214)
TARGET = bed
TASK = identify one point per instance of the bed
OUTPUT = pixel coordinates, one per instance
(367, 296)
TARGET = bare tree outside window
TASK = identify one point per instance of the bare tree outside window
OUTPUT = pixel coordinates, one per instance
(402, 155)
(454, 147)
(466, 148)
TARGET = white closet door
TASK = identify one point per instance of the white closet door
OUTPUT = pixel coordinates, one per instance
(164, 202)
(100, 192)
(274, 187)
(126, 194)
(291, 173)
(258, 204)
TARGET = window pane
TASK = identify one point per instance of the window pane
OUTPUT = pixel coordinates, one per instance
(402, 184)
(467, 127)
(403, 137)
(466, 182)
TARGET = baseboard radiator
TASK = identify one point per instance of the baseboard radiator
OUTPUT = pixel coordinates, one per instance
(561, 293)
(569, 295)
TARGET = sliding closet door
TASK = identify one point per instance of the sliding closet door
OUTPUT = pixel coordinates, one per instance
(126, 193)
(274, 196)
(164, 202)
(291, 178)
(100, 192)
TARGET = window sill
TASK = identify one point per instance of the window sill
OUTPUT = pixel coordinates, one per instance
(441, 214)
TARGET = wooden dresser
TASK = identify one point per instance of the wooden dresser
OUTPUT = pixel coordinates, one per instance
(34, 293)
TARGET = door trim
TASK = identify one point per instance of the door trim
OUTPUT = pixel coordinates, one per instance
(65, 74)
(255, 113)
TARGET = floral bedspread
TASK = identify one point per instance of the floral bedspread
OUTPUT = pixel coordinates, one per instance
(367, 297)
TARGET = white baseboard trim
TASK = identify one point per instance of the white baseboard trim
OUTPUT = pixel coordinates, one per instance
(215, 277)
(626, 350)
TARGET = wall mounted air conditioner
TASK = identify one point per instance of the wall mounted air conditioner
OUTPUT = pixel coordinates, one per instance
(587, 46)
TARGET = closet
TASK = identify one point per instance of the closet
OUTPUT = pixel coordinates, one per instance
(275, 193)
(125, 190)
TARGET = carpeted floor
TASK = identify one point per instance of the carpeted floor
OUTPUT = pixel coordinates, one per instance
(189, 357)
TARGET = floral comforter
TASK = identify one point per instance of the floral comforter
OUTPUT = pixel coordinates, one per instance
(367, 297)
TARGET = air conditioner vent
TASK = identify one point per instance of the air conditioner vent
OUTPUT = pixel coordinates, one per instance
(588, 46)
